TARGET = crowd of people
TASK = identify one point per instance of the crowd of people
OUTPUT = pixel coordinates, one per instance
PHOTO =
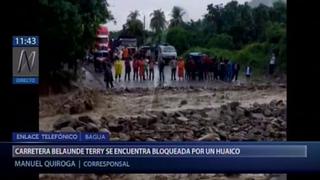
(205, 68)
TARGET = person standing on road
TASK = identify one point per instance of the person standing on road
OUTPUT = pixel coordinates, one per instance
(125, 53)
(181, 68)
(236, 68)
(127, 69)
(146, 68)
(141, 69)
(161, 69)
(210, 69)
(201, 69)
(135, 68)
(118, 69)
(215, 69)
(173, 65)
(206, 67)
(248, 71)
(187, 68)
(222, 70)
(108, 78)
(229, 71)
(151, 69)
(272, 64)
(193, 68)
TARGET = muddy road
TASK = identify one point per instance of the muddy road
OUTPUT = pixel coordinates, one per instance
(175, 111)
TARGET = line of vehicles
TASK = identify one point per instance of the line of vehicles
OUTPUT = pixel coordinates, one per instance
(106, 50)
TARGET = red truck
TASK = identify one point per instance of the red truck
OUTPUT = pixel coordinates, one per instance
(102, 49)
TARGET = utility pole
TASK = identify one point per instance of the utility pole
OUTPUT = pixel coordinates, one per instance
(144, 29)
(144, 22)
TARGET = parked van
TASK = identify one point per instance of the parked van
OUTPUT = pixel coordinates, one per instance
(166, 52)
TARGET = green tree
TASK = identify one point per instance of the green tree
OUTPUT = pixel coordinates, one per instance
(279, 12)
(223, 41)
(134, 27)
(214, 18)
(158, 23)
(133, 15)
(68, 28)
(177, 16)
(179, 38)
(261, 15)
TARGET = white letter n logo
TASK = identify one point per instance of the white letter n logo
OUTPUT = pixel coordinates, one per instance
(31, 57)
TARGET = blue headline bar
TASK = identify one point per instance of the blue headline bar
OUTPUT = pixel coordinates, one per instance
(159, 151)
(163, 157)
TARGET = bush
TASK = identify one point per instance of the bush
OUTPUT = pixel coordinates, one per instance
(256, 55)
(223, 41)
(274, 32)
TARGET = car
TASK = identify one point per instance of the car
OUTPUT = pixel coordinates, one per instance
(145, 50)
(166, 52)
(196, 56)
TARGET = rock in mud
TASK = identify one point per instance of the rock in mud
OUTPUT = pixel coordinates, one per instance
(77, 108)
(67, 129)
(146, 120)
(124, 137)
(89, 104)
(267, 112)
(160, 177)
(221, 125)
(223, 135)
(181, 120)
(91, 127)
(76, 123)
(234, 105)
(196, 117)
(104, 130)
(81, 129)
(62, 122)
(105, 177)
(183, 102)
(114, 126)
(85, 119)
(210, 137)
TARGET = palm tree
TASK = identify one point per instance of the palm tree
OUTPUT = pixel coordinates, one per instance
(177, 14)
(134, 26)
(158, 21)
(133, 15)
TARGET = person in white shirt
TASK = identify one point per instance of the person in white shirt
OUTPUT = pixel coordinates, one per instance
(248, 71)
(272, 64)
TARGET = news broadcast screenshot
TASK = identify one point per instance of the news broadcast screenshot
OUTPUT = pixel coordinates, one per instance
(156, 90)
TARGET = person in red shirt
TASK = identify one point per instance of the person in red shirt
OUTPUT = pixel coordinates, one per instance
(135, 68)
(125, 53)
(181, 68)
(141, 69)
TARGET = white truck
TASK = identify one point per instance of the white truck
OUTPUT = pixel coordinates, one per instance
(166, 52)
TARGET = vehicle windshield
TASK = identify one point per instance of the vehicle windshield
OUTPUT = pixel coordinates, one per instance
(169, 49)
(102, 54)
(102, 40)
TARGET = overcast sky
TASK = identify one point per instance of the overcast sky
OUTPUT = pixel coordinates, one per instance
(195, 9)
